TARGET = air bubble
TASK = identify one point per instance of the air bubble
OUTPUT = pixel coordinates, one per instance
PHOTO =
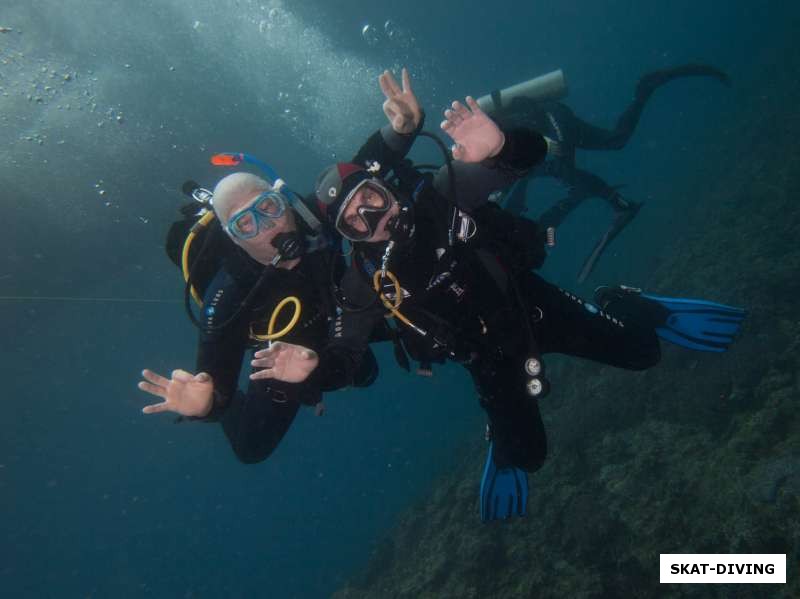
(370, 35)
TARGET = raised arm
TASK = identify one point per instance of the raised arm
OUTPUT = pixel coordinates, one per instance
(390, 144)
(486, 158)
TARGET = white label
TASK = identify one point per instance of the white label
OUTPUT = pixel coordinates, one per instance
(722, 568)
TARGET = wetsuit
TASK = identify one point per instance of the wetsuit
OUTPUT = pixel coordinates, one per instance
(477, 302)
(255, 420)
(557, 121)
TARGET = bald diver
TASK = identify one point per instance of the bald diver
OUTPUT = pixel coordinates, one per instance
(259, 270)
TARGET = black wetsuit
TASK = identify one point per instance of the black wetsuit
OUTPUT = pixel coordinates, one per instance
(557, 121)
(477, 301)
(256, 420)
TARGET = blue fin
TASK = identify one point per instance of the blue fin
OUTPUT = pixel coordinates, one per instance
(698, 324)
(504, 491)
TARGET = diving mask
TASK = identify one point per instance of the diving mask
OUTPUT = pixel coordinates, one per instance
(357, 222)
(261, 212)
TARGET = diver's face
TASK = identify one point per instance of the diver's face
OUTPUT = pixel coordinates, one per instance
(254, 223)
(369, 199)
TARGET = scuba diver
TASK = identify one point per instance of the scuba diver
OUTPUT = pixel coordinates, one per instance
(246, 249)
(454, 272)
(532, 104)
(259, 253)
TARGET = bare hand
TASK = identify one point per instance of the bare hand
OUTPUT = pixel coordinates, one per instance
(401, 106)
(284, 362)
(477, 136)
(184, 393)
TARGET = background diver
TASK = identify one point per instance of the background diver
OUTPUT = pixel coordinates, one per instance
(558, 121)
(468, 298)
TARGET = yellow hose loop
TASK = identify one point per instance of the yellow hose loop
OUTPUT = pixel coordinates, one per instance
(271, 335)
(398, 296)
(198, 226)
(398, 291)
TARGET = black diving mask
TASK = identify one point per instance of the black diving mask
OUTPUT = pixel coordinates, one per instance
(358, 217)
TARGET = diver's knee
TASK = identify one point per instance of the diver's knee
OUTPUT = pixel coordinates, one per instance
(534, 458)
(249, 459)
(615, 143)
(534, 454)
(251, 455)
(531, 465)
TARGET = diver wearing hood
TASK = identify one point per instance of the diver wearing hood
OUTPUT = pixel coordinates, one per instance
(379, 201)
(454, 296)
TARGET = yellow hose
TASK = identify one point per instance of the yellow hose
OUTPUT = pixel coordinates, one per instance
(398, 296)
(196, 228)
(271, 335)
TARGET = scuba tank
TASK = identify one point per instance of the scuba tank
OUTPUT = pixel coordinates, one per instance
(548, 87)
(210, 243)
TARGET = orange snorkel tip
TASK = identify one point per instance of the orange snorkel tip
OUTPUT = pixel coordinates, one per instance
(226, 159)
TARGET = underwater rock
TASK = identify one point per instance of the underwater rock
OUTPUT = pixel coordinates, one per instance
(770, 477)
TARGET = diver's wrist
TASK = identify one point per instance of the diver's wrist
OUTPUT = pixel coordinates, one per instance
(216, 407)
(499, 147)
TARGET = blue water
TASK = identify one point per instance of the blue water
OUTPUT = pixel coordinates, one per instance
(99, 500)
